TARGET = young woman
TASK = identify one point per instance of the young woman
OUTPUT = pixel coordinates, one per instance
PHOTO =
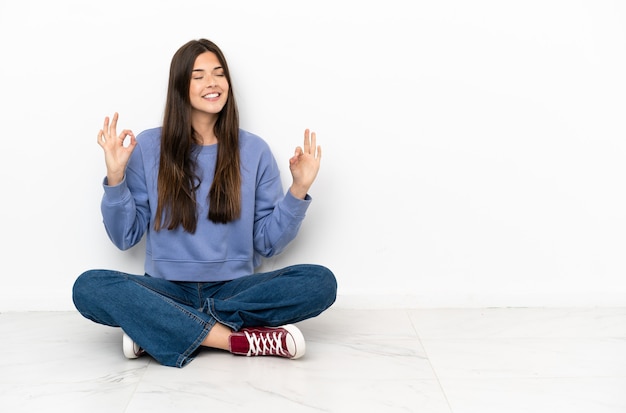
(209, 199)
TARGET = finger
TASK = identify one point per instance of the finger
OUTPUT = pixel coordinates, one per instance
(132, 141)
(319, 153)
(126, 133)
(105, 127)
(113, 124)
(307, 141)
(313, 143)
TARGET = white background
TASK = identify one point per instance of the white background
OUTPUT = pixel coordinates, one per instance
(473, 151)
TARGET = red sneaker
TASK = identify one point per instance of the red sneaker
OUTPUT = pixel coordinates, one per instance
(284, 341)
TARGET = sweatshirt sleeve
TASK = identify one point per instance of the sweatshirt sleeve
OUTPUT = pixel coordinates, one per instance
(278, 215)
(126, 213)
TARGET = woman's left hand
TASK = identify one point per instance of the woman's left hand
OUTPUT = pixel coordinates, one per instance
(304, 165)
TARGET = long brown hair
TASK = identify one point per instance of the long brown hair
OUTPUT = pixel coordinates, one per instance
(178, 181)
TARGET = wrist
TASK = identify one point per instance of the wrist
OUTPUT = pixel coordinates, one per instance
(114, 179)
(298, 192)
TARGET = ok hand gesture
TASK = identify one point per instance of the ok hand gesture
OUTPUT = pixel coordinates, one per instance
(116, 151)
(304, 165)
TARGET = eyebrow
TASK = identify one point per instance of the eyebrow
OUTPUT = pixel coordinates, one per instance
(202, 70)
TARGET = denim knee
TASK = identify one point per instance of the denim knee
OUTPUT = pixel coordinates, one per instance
(326, 283)
(81, 288)
(86, 288)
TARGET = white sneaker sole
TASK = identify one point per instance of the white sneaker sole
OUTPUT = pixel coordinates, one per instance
(298, 346)
(130, 348)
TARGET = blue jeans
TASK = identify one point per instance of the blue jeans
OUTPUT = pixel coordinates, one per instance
(170, 319)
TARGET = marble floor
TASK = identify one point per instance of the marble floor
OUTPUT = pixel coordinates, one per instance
(501, 360)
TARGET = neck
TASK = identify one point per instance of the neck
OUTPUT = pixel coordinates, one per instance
(204, 126)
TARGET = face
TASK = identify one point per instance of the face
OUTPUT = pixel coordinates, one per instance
(208, 89)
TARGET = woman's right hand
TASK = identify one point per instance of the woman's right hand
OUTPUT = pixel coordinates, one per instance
(116, 152)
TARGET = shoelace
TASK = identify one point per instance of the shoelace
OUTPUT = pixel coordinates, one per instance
(263, 344)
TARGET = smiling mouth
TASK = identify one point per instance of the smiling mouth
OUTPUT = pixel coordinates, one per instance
(211, 96)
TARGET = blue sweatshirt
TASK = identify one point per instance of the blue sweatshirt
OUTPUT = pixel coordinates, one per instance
(270, 218)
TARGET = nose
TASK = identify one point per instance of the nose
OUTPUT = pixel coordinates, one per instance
(210, 81)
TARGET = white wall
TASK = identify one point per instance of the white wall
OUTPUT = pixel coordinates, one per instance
(473, 151)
